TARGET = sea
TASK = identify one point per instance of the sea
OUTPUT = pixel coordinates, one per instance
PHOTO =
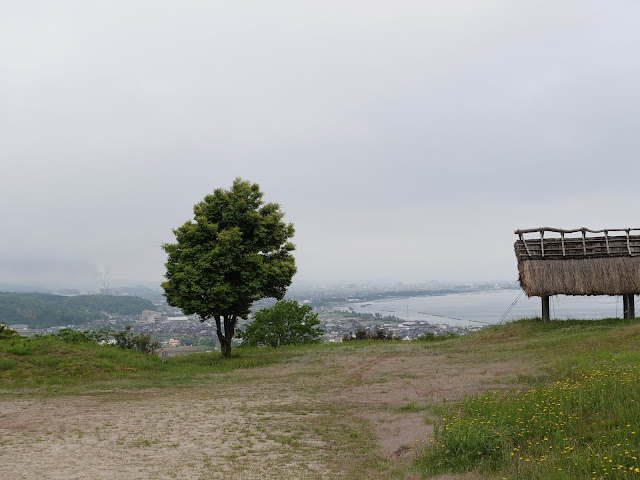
(478, 309)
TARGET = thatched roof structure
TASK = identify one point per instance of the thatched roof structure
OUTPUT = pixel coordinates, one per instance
(577, 262)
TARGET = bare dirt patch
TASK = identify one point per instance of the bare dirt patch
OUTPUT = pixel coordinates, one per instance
(384, 389)
(341, 413)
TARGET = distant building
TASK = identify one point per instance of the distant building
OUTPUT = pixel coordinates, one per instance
(18, 326)
(151, 317)
(174, 343)
(24, 330)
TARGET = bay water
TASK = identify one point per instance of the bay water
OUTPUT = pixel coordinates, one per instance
(488, 307)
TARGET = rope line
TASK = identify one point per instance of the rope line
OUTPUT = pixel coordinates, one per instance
(454, 318)
(513, 304)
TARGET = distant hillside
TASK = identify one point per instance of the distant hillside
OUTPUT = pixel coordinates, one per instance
(40, 310)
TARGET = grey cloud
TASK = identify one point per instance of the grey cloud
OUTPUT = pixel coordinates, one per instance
(389, 133)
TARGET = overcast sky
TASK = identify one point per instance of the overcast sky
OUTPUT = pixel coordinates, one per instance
(405, 140)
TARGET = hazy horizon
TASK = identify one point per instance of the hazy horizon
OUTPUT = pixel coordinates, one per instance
(405, 141)
(298, 284)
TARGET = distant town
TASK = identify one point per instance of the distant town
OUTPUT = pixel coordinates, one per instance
(173, 329)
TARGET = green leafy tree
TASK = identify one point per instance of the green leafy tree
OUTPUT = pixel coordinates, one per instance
(285, 323)
(7, 332)
(236, 251)
(68, 335)
(126, 340)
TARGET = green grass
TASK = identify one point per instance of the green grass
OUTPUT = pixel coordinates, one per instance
(581, 420)
(50, 364)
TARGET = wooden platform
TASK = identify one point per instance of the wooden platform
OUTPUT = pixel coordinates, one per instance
(554, 243)
(579, 262)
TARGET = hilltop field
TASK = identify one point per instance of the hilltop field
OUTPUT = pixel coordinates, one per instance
(564, 407)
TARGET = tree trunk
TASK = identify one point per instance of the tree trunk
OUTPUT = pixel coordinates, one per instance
(225, 333)
(225, 347)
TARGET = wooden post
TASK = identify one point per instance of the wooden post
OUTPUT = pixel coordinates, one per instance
(545, 309)
(629, 307)
(625, 306)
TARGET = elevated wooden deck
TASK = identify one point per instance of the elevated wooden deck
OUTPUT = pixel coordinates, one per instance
(615, 242)
(580, 262)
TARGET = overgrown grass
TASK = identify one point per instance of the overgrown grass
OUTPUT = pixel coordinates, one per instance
(50, 364)
(583, 422)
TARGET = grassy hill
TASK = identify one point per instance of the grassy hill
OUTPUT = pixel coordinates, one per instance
(524, 400)
(41, 310)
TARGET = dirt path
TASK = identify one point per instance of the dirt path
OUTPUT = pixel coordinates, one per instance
(344, 413)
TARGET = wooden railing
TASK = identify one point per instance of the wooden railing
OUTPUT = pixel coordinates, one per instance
(619, 244)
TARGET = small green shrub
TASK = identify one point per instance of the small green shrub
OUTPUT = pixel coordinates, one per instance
(362, 333)
(71, 336)
(141, 342)
(19, 349)
(7, 332)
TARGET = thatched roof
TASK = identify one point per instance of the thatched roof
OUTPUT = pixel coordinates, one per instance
(605, 264)
(592, 276)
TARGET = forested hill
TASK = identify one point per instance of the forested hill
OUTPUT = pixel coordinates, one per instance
(40, 310)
